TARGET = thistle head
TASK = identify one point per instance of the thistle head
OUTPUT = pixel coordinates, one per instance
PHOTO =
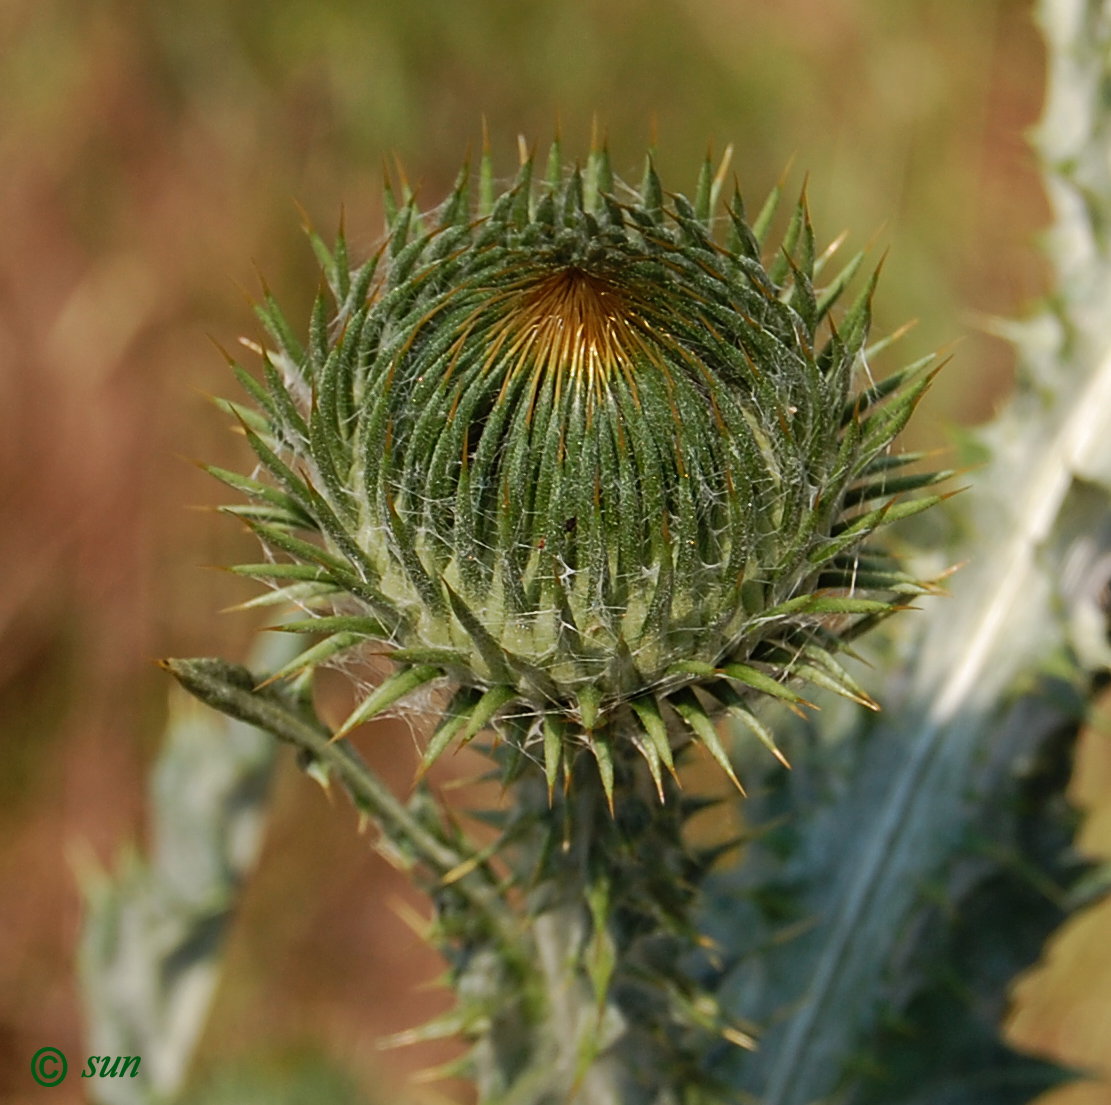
(595, 456)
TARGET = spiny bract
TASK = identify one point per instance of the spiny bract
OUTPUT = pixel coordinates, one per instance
(601, 474)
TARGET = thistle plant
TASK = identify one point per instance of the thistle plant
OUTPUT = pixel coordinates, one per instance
(596, 467)
(602, 474)
(565, 452)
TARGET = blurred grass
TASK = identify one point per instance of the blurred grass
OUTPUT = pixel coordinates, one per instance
(151, 152)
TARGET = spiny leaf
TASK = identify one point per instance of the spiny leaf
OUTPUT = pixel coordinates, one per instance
(264, 512)
(318, 654)
(858, 319)
(702, 193)
(300, 594)
(739, 709)
(599, 745)
(254, 389)
(690, 667)
(885, 462)
(589, 699)
(889, 385)
(832, 292)
(343, 623)
(273, 570)
(781, 263)
(741, 239)
(762, 682)
(395, 687)
(823, 604)
(457, 715)
(554, 170)
(719, 179)
(289, 419)
(895, 486)
(553, 751)
(439, 1028)
(764, 219)
(825, 672)
(271, 317)
(647, 710)
(601, 952)
(488, 648)
(389, 200)
(692, 712)
(651, 193)
(257, 490)
(649, 751)
(441, 657)
(490, 703)
(485, 177)
(472, 863)
(303, 550)
(866, 523)
(259, 423)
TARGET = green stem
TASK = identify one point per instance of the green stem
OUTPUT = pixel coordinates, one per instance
(572, 988)
(231, 689)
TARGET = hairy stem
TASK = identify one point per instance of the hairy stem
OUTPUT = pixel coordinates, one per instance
(574, 975)
(230, 689)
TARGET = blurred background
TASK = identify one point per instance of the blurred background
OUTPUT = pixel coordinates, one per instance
(153, 153)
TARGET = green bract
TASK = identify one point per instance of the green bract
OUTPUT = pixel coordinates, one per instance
(601, 473)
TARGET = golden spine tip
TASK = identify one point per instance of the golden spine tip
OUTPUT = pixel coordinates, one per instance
(573, 323)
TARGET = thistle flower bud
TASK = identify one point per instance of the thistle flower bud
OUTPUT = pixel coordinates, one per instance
(604, 474)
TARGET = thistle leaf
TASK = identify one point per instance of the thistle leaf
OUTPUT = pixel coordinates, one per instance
(590, 698)
(344, 623)
(318, 654)
(553, 752)
(647, 748)
(397, 686)
(648, 711)
(762, 682)
(693, 713)
(456, 719)
(834, 290)
(488, 705)
(600, 746)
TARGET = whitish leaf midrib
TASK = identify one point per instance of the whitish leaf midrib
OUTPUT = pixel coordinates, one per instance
(1067, 452)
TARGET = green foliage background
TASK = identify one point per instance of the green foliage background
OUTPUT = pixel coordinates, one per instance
(150, 149)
